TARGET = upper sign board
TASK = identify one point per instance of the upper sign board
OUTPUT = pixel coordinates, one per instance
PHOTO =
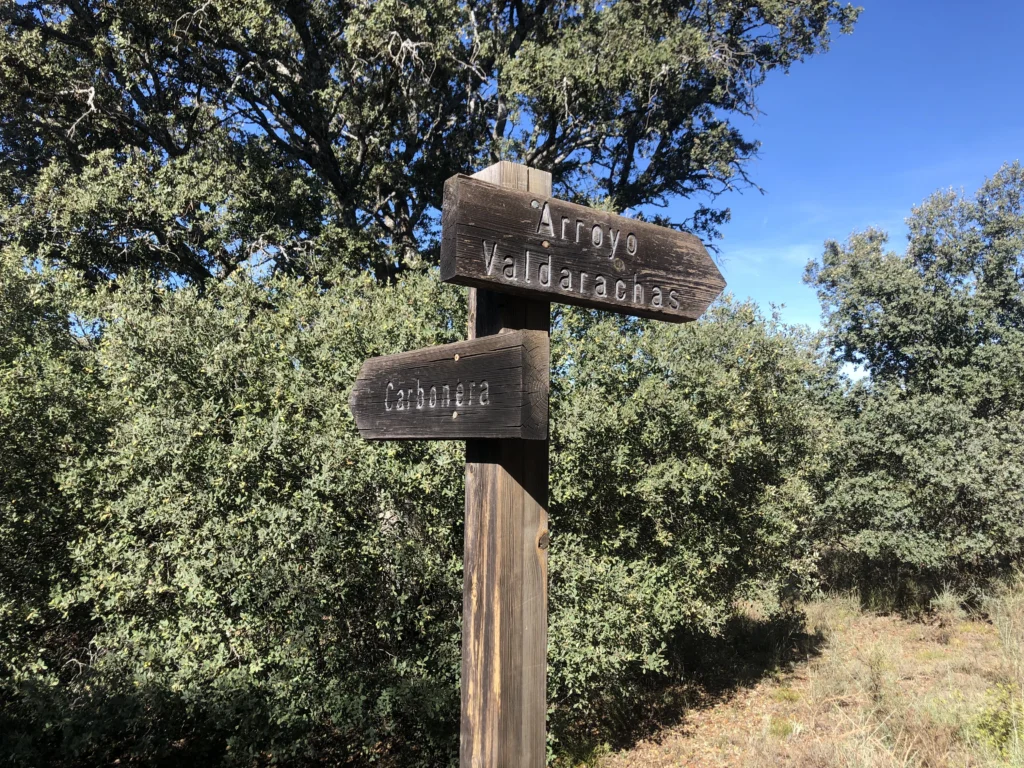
(549, 249)
(491, 387)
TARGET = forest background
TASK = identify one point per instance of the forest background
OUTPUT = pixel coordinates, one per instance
(213, 213)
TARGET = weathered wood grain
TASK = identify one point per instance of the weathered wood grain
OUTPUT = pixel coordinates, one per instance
(493, 387)
(504, 631)
(525, 242)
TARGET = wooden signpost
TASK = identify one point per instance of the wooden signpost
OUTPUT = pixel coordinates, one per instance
(517, 248)
(496, 386)
(533, 245)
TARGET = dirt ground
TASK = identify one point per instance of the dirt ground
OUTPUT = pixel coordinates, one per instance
(940, 690)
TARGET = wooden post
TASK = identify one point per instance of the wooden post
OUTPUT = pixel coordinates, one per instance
(492, 225)
(504, 624)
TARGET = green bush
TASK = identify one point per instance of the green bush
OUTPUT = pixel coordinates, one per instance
(683, 460)
(927, 478)
(215, 568)
(999, 726)
(924, 492)
(51, 416)
(243, 576)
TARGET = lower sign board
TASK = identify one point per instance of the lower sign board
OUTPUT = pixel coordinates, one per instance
(491, 387)
(544, 248)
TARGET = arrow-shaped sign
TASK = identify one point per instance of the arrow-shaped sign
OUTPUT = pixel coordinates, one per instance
(549, 249)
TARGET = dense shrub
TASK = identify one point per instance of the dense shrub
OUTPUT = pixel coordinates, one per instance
(247, 577)
(206, 563)
(928, 476)
(51, 417)
(683, 464)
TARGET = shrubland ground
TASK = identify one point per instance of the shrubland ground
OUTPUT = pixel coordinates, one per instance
(863, 688)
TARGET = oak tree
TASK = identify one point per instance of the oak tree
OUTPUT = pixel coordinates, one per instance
(194, 137)
(928, 477)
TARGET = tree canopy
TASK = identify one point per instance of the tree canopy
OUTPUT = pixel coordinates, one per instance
(928, 473)
(949, 312)
(190, 138)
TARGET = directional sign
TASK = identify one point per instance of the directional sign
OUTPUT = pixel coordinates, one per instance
(491, 387)
(504, 233)
(544, 248)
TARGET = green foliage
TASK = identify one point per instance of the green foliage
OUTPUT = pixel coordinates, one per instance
(188, 138)
(928, 477)
(1000, 726)
(50, 416)
(223, 572)
(683, 460)
(243, 577)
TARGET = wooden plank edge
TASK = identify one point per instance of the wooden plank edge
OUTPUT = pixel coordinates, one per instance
(536, 384)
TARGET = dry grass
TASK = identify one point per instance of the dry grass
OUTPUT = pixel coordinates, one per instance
(939, 692)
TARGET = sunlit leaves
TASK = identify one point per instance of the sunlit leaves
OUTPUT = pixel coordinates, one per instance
(928, 472)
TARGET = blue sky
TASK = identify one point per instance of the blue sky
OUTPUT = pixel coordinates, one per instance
(925, 94)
